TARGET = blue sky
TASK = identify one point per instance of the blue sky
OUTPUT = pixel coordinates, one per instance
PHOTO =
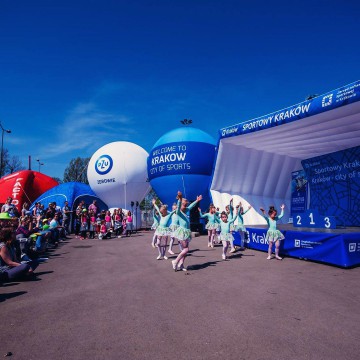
(76, 75)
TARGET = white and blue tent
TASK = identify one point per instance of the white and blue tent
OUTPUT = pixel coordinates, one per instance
(255, 158)
(73, 192)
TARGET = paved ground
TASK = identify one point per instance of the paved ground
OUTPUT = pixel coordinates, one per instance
(113, 300)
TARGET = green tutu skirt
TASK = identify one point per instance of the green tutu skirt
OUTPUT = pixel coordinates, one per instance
(274, 235)
(162, 231)
(182, 233)
(226, 237)
(210, 226)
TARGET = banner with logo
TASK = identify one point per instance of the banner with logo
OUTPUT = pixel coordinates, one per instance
(299, 193)
(329, 101)
(334, 181)
(186, 157)
(335, 249)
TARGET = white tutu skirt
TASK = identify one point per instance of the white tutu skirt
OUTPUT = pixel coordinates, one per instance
(226, 237)
(274, 235)
(210, 226)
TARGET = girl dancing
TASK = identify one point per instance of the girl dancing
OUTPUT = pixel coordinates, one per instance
(155, 224)
(183, 233)
(225, 234)
(162, 231)
(240, 224)
(212, 224)
(230, 217)
(273, 235)
(173, 226)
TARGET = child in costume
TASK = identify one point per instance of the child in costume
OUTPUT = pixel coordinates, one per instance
(212, 224)
(162, 231)
(226, 236)
(183, 233)
(173, 226)
(230, 217)
(240, 223)
(154, 226)
(273, 235)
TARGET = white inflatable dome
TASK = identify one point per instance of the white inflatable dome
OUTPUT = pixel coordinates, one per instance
(117, 173)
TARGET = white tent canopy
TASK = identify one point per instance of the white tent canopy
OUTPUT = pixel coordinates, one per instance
(255, 167)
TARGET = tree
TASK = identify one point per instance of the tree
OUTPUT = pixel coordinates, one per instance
(5, 158)
(76, 171)
(57, 179)
(10, 164)
(146, 204)
(14, 164)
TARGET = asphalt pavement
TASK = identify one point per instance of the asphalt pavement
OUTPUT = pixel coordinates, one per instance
(111, 299)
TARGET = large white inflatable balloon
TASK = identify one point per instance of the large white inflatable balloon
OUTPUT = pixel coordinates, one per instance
(117, 173)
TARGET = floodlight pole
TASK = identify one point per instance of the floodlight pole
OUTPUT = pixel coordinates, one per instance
(2, 148)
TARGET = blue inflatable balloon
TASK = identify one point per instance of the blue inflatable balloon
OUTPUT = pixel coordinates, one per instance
(182, 159)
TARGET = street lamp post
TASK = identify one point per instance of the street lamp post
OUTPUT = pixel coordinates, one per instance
(2, 148)
(40, 163)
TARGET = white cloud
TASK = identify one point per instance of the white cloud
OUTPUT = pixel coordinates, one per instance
(86, 126)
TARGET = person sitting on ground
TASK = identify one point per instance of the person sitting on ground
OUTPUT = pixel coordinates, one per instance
(54, 233)
(10, 267)
(104, 232)
(54, 224)
(30, 241)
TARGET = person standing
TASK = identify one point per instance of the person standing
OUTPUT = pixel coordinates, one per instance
(173, 226)
(66, 217)
(240, 223)
(162, 231)
(212, 224)
(93, 206)
(226, 236)
(183, 233)
(273, 235)
(129, 223)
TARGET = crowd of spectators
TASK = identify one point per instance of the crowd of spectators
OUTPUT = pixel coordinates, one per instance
(90, 222)
(26, 236)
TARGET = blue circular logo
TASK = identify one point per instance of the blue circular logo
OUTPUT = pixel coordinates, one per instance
(103, 164)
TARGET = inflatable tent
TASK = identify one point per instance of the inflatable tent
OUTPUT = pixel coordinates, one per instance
(73, 192)
(256, 158)
(24, 186)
